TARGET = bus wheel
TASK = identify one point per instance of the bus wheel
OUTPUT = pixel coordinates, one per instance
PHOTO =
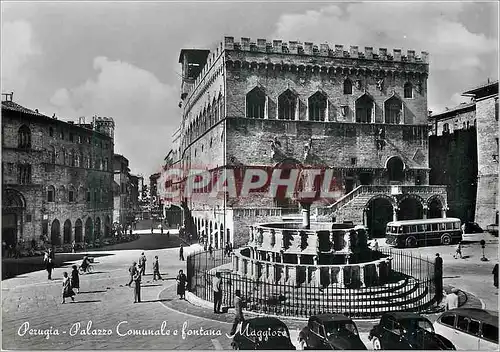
(446, 239)
(411, 242)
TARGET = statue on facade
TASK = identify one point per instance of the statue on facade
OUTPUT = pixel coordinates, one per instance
(380, 84)
(343, 110)
(275, 144)
(358, 83)
(307, 149)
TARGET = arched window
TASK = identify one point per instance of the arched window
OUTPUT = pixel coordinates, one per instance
(24, 137)
(256, 102)
(317, 107)
(393, 110)
(52, 155)
(72, 158)
(347, 86)
(71, 194)
(51, 194)
(364, 109)
(287, 103)
(395, 169)
(209, 113)
(408, 90)
(24, 174)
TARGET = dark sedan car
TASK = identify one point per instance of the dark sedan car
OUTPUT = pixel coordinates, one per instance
(403, 331)
(332, 332)
(262, 334)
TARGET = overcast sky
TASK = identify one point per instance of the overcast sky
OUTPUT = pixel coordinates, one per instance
(120, 59)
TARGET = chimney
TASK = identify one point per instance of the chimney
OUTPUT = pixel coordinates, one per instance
(277, 46)
(339, 50)
(354, 51)
(324, 49)
(397, 54)
(293, 48)
(229, 43)
(382, 53)
(261, 45)
(245, 44)
(411, 55)
(368, 52)
(425, 56)
(308, 48)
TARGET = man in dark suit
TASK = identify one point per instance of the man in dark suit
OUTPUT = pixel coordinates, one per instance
(137, 288)
(132, 270)
(438, 277)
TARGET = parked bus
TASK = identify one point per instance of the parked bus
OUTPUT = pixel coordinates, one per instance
(422, 232)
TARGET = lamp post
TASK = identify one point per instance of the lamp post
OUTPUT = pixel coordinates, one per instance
(483, 244)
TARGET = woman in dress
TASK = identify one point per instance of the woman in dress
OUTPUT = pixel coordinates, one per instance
(67, 290)
(181, 284)
(75, 279)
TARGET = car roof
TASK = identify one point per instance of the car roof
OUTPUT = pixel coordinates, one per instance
(331, 317)
(403, 315)
(264, 322)
(487, 316)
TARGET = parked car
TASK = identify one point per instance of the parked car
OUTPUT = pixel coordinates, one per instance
(493, 229)
(332, 332)
(405, 330)
(264, 333)
(469, 328)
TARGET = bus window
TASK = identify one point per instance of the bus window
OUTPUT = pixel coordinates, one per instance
(406, 229)
(394, 229)
(400, 230)
(456, 225)
(413, 228)
(421, 228)
(449, 226)
(434, 227)
(442, 227)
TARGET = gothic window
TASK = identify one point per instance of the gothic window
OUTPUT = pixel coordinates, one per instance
(72, 158)
(24, 137)
(317, 107)
(364, 109)
(287, 103)
(87, 197)
(52, 155)
(209, 113)
(71, 194)
(256, 102)
(51, 194)
(393, 110)
(347, 86)
(408, 90)
(24, 174)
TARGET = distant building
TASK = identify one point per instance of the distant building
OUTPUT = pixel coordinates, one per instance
(463, 153)
(134, 194)
(56, 178)
(123, 212)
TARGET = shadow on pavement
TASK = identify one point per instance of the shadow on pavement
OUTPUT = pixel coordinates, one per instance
(91, 292)
(151, 285)
(94, 301)
(12, 267)
(157, 300)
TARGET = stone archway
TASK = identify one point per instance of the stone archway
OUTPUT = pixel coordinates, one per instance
(55, 233)
(97, 228)
(395, 169)
(411, 207)
(435, 206)
(89, 230)
(379, 210)
(107, 226)
(67, 232)
(78, 231)
(13, 208)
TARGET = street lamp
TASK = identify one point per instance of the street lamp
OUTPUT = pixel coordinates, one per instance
(483, 243)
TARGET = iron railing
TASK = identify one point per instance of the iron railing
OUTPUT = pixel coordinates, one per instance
(410, 287)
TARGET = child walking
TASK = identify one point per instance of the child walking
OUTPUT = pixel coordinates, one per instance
(156, 269)
(458, 252)
(75, 279)
(67, 290)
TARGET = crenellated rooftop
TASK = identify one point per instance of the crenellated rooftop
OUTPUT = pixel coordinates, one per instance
(311, 49)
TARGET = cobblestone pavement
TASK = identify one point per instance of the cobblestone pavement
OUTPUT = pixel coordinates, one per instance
(107, 304)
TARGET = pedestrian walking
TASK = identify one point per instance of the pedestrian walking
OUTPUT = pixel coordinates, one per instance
(137, 288)
(156, 269)
(142, 263)
(161, 229)
(210, 250)
(217, 287)
(49, 263)
(495, 275)
(168, 234)
(132, 271)
(458, 251)
(438, 277)
(73, 247)
(67, 290)
(375, 246)
(181, 252)
(75, 279)
(152, 228)
(452, 299)
(181, 284)
(238, 317)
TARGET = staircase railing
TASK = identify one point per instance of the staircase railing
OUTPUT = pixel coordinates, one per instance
(345, 199)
